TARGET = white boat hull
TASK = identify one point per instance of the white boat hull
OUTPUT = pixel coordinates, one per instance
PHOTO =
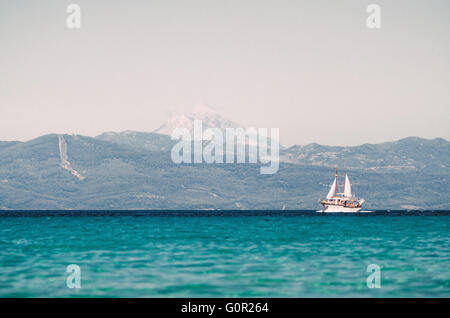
(339, 208)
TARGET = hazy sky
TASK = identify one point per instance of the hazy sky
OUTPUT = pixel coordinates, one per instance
(311, 68)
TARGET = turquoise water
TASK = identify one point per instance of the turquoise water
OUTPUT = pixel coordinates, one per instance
(213, 255)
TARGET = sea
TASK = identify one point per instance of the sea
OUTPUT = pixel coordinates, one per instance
(224, 254)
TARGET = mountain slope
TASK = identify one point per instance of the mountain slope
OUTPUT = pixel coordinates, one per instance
(139, 140)
(408, 154)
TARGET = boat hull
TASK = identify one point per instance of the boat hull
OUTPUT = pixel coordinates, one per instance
(339, 208)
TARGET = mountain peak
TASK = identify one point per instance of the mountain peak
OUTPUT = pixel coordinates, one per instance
(202, 108)
(210, 119)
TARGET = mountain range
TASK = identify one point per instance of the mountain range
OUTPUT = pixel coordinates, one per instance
(134, 170)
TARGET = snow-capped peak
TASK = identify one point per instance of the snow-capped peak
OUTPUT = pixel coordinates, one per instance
(202, 108)
(209, 117)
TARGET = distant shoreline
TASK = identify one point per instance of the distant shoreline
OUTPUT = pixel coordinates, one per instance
(210, 213)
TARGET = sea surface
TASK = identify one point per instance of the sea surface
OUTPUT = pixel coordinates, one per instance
(224, 254)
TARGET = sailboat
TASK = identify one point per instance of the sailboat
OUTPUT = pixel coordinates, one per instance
(341, 202)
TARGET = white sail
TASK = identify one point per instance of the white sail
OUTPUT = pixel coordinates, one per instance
(332, 191)
(347, 187)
